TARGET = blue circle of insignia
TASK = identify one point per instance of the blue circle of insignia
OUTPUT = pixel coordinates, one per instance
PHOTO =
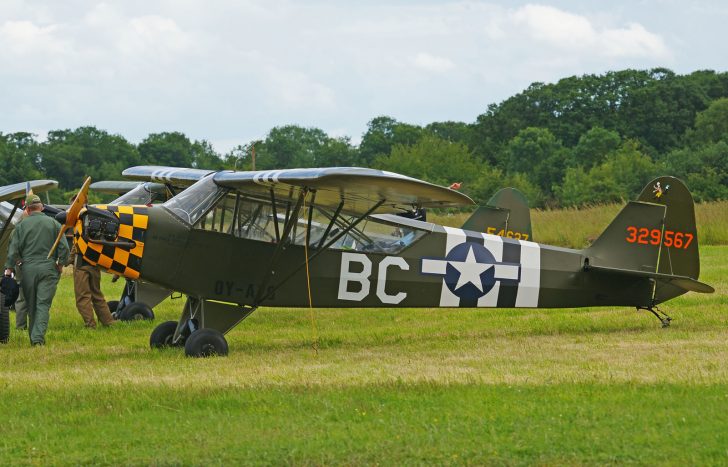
(487, 279)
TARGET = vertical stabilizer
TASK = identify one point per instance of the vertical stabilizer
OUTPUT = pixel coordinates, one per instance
(506, 214)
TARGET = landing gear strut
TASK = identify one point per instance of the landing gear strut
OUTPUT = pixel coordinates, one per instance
(661, 315)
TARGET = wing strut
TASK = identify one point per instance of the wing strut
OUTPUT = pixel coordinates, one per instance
(331, 224)
(308, 258)
(287, 228)
(275, 214)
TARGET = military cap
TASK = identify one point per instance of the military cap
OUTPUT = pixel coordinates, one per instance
(32, 199)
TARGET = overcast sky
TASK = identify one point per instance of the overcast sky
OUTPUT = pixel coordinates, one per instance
(228, 71)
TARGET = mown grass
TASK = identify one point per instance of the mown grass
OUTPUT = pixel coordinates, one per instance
(577, 228)
(382, 386)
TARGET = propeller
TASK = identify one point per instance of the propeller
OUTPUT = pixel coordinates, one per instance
(69, 217)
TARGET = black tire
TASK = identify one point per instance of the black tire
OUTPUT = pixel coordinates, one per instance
(162, 335)
(4, 321)
(206, 342)
(113, 305)
(135, 311)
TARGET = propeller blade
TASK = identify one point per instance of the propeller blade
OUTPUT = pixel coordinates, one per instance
(79, 201)
(72, 213)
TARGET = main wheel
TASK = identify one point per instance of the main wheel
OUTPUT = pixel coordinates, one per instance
(135, 311)
(113, 305)
(206, 342)
(4, 321)
(163, 334)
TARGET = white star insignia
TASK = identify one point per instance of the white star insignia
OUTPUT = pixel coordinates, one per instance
(470, 271)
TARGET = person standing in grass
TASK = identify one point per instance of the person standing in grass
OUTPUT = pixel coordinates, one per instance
(87, 288)
(31, 241)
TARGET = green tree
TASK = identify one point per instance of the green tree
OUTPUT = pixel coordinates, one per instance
(704, 169)
(293, 146)
(382, 134)
(18, 157)
(168, 148)
(594, 146)
(711, 125)
(205, 157)
(622, 176)
(435, 160)
(537, 154)
(70, 155)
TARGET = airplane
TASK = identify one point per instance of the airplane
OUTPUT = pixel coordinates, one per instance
(330, 237)
(11, 197)
(505, 214)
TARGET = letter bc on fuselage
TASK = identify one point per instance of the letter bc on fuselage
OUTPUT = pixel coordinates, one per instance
(447, 268)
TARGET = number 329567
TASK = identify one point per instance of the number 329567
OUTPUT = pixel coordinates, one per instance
(645, 236)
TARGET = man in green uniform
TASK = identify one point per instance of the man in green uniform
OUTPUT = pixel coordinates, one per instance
(31, 241)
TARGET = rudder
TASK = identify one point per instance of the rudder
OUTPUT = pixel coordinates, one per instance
(679, 255)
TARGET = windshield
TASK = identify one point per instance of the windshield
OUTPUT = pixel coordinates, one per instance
(144, 193)
(196, 200)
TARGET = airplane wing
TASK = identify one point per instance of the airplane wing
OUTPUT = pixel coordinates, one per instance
(360, 189)
(175, 176)
(114, 187)
(17, 190)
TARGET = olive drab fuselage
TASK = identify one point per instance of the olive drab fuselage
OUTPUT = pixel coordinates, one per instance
(227, 246)
(445, 267)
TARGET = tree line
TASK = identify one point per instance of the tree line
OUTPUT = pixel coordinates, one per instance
(583, 140)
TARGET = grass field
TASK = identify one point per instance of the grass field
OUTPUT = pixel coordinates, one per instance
(551, 387)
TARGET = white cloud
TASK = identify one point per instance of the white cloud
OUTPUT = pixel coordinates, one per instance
(555, 26)
(633, 41)
(433, 63)
(578, 34)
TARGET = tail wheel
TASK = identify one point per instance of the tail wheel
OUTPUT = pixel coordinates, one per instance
(135, 311)
(4, 321)
(163, 334)
(206, 342)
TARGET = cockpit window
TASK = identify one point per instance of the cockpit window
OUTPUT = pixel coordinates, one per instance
(252, 218)
(145, 193)
(195, 201)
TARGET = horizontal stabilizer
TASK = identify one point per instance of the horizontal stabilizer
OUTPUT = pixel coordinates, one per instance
(685, 283)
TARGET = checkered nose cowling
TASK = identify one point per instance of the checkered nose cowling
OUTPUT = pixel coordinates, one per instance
(118, 260)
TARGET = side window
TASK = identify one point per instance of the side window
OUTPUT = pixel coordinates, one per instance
(220, 218)
(237, 215)
(254, 218)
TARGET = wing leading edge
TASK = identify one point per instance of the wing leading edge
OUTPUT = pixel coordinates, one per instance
(359, 188)
(17, 190)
